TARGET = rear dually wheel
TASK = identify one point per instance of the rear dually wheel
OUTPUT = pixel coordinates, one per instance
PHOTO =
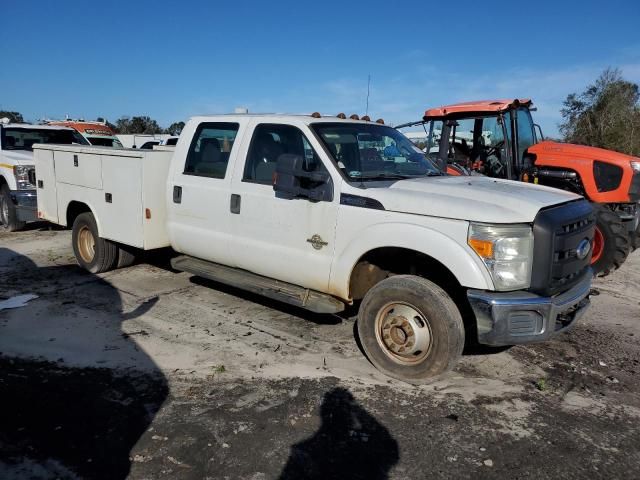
(93, 253)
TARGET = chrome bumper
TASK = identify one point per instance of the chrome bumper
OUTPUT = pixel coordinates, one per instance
(26, 204)
(509, 318)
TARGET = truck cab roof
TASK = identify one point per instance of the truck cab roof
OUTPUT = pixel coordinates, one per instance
(280, 118)
(30, 125)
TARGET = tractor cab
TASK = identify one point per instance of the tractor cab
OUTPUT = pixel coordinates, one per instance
(488, 137)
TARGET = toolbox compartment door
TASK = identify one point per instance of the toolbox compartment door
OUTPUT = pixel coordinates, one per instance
(84, 169)
(46, 186)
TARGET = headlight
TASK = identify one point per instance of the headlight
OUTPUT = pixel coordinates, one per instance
(506, 250)
(21, 172)
(635, 166)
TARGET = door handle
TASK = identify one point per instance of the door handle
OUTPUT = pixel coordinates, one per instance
(234, 205)
(177, 194)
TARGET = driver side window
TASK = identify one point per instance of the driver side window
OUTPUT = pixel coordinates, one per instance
(269, 142)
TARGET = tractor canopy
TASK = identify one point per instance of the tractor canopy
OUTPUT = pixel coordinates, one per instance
(477, 107)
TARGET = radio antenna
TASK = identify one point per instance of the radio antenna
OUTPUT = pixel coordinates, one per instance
(368, 89)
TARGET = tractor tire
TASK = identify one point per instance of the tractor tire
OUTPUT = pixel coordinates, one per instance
(8, 216)
(410, 329)
(93, 253)
(611, 243)
(635, 239)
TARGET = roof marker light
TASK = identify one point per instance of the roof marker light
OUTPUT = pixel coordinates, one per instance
(366, 118)
(380, 121)
(316, 115)
(341, 115)
(354, 117)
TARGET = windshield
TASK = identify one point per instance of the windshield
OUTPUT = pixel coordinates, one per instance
(24, 138)
(105, 141)
(373, 152)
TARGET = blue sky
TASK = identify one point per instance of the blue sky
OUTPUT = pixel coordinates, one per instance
(171, 60)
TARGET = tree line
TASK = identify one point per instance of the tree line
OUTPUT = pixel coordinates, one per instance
(606, 114)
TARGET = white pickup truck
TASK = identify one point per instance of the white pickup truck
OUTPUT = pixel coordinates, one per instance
(17, 172)
(324, 212)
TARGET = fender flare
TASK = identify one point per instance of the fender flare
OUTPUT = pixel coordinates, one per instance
(91, 210)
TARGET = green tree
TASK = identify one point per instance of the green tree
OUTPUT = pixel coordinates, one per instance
(175, 128)
(141, 124)
(606, 114)
(14, 117)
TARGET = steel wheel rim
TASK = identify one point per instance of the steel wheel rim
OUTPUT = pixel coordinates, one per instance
(86, 244)
(403, 333)
(598, 245)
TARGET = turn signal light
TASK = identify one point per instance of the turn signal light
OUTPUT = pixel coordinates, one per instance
(484, 248)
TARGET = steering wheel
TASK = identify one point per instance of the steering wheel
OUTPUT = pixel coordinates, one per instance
(493, 150)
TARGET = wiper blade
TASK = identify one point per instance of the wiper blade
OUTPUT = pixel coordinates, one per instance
(382, 176)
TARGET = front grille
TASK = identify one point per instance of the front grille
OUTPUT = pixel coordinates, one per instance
(558, 232)
(31, 175)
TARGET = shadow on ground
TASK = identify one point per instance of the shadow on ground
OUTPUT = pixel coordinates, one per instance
(350, 443)
(68, 420)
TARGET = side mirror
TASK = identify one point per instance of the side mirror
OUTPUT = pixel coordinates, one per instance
(291, 180)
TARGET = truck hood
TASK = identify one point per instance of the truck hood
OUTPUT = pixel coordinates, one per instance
(475, 198)
(570, 150)
(17, 157)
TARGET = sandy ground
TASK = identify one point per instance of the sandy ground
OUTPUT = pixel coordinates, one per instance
(149, 373)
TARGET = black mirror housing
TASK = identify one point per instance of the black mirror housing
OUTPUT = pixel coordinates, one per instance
(291, 180)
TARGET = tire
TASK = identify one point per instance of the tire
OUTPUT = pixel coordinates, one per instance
(93, 253)
(611, 242)
(635, 239)
(8, 215)
(428, 326)
(126, 257)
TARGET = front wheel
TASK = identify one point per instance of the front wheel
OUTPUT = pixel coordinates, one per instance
(93, 253)
(8, 216)
(410, 329)
(611, 243)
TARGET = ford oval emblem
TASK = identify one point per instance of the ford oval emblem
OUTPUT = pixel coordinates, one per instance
(584, 247)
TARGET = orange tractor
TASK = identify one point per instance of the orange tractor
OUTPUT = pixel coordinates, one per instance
(498, 138)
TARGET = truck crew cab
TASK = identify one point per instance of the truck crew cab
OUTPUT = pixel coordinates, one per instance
(323, 212)
(17, 170)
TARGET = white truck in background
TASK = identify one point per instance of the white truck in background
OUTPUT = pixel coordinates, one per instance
(324, 212)
(17, 169)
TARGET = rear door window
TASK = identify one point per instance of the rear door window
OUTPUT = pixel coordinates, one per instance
(210, 149)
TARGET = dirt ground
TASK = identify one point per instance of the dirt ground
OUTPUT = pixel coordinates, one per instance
(147, 373)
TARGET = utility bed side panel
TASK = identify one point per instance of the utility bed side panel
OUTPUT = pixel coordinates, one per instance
(124, 189)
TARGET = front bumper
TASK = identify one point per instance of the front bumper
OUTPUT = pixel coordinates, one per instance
(26, 204)
(509, 318)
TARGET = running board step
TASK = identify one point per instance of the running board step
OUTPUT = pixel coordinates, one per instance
(284, 292)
